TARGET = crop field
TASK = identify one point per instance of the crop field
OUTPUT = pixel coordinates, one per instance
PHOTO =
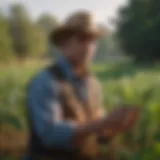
(121, 83)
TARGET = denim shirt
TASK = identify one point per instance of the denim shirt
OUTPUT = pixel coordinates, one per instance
(45, 110)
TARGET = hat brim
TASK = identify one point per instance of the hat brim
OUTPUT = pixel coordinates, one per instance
(61, 34)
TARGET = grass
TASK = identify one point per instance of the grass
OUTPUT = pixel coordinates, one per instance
(121, 83)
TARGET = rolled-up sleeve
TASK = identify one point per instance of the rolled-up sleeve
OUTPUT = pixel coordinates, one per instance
(46, 115)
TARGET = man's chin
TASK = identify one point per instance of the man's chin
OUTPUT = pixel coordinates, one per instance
(80, 63)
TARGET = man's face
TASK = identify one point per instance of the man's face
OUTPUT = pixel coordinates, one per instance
(80, 49)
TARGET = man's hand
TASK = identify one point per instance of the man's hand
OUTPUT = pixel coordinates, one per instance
(118, 121)
(121, 119)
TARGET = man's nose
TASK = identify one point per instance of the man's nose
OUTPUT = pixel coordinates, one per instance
(88, 45)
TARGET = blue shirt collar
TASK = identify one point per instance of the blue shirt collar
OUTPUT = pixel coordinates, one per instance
(66, 68)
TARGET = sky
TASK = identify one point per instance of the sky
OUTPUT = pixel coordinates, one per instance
(104, 10)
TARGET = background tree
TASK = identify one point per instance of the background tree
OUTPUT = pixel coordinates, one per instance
(48, 23)
(28, 38)
(108, 48)
(20, 30)
(102, 45)
(139, 29)
(102, 49)
(6, 51)
(39, 44)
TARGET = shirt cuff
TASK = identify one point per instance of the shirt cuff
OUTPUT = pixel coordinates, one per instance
(62, 135)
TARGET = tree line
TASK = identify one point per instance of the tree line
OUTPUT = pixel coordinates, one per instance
(139, 30)
(137, 34)
(21, 37)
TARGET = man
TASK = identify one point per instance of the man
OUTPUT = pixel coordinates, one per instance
(65, 107)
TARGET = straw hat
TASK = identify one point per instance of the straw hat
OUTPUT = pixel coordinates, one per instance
(79, 23)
